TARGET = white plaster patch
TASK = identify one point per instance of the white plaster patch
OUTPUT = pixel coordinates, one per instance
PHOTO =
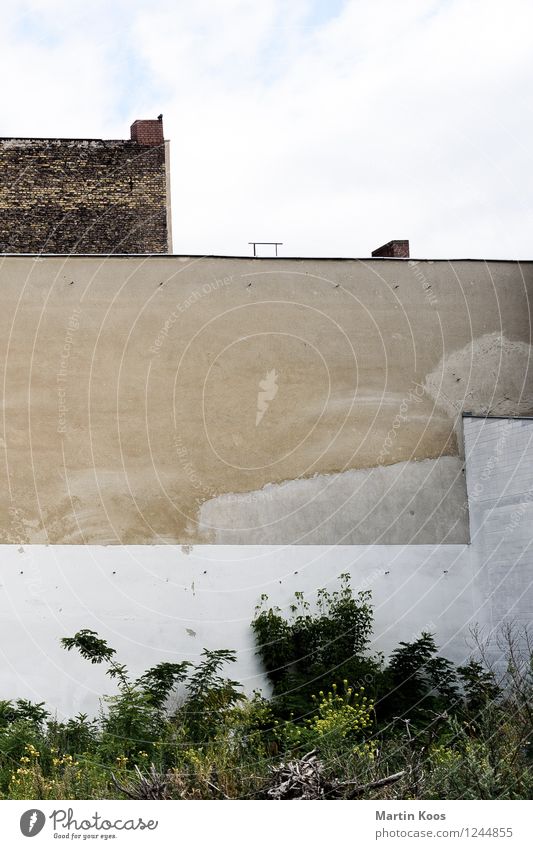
(414, 502)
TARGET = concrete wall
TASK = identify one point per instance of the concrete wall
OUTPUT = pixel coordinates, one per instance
(203, 400)
(499, 466)
(83, 196)
(169, 602)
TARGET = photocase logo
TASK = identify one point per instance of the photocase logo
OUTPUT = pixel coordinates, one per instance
(268, 389)
(32, 822)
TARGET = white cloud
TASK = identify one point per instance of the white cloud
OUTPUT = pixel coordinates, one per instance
(330, 126)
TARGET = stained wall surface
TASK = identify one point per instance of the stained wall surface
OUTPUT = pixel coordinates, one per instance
(218, 400)
(83, 196)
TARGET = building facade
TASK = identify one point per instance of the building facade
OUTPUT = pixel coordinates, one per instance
(181, 435)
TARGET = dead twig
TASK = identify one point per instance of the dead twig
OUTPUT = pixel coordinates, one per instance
(153, 785)
(373, 785)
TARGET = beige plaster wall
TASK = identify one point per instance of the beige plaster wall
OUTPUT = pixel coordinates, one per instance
(136, 389)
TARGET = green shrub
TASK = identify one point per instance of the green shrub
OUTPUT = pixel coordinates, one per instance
(310, 650)
(417, 682)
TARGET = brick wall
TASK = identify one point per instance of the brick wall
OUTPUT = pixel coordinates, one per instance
(395, 248)
(85, 195)
(147, 132)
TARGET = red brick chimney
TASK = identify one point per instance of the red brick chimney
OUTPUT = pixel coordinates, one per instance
(148, 132)
(396, 248)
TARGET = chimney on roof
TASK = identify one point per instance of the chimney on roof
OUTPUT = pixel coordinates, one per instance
(148, 132)
(395, 248)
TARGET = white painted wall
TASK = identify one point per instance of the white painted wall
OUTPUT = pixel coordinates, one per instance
(499, 469)
(157, 603)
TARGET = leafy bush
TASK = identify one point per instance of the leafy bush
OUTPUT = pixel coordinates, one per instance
(310, 650)
(418, 682)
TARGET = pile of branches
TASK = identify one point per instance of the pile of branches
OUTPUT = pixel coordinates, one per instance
(300, 779)
(305, 779)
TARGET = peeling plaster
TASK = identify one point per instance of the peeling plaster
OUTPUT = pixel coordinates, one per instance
(491, 375)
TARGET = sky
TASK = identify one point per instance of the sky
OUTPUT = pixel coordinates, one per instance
(332, 126)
